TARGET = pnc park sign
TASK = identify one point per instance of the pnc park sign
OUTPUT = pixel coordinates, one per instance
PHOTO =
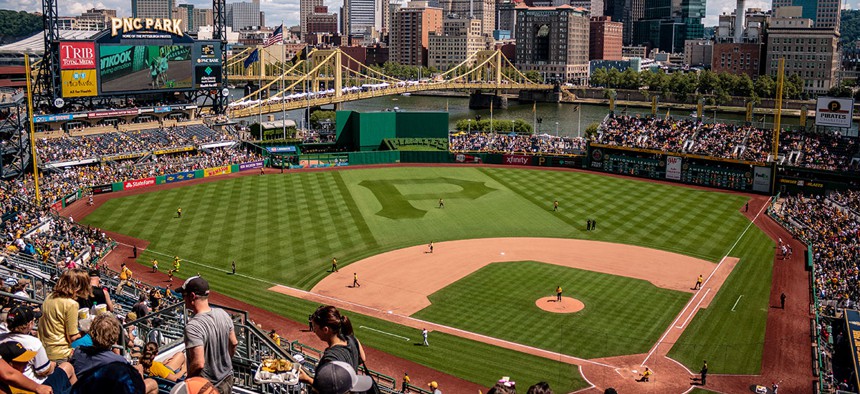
(125, 25)
(833, 111)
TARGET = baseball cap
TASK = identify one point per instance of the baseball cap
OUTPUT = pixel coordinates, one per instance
(338, 377)
(15, 351)
(433, 385)
(94, 274)
(20, 315)
(195, 385)
(194, 284)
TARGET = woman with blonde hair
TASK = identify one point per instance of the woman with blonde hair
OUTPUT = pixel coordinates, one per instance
(58, 326)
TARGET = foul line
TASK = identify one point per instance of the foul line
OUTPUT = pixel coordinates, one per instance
(384, 332)
(736, 302)
(557, 356)
(654, 348)
(693, 312)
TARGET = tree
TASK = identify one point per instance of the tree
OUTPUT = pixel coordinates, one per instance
(317, 117)
(522, 127)
(842, 90)
(708, 82)
(591, 130)
(765, 86)
(744, 86)
(18, 24)
(533, 76)
(793, 87)
(599, 78)
(630, 79)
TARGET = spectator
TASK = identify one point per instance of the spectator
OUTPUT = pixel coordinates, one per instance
(338, 377)
(38, 368)
(58, 327)
(539, 388)
(336, 331)
(504, 386)
(90, 362)
(173, 369)
(100, 295)
(210, 341)
(141, 308)
(11, 377)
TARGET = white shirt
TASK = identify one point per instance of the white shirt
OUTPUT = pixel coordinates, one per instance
(39, 363)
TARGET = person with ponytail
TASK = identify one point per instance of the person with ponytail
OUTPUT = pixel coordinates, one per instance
(336, 331)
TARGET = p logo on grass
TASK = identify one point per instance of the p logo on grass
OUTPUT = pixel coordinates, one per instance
(396, 195)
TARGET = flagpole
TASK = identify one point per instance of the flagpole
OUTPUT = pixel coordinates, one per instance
(260, 86)
(534, 116)
(491, 116)
(283, 71)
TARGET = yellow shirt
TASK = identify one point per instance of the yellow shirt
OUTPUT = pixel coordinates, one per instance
(125, 274)
(59, 319)
(558, 289)
(160, 370)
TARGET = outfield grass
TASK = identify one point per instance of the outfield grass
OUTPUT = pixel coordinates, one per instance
(286, 228)
(621, 315)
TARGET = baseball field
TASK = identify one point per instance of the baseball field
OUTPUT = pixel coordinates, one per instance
(499, 250)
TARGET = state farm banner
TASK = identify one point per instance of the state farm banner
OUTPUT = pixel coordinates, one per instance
(518, 160)
(250, 166)
(78, 55)
(138, 183)
(216, 171)
(673, 168)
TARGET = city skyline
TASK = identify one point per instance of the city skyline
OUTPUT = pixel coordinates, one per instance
(288, 11)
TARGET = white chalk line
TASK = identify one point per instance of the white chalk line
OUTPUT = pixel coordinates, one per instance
(556, 356)
(736, 302)
(672, 326)
(693, 311)
(384, 332)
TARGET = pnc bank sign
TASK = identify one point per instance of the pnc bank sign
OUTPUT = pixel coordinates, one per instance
(125, 25)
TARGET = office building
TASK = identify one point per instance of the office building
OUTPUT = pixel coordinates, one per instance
(823, 13)
(594, 7)
(668, 23)
(363, 18)
(483, 10)
(810, 52)
(152, 8)
(202, 17)
(410, 33)
(605, 38)
(185, 12)
(698, 53)
(243, 15)
(306, 8)
(459, 39)
(321, 21)
(628, 12)
(554, 42)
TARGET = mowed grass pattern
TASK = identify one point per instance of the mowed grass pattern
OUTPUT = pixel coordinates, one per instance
(286, 228)
(621, 315)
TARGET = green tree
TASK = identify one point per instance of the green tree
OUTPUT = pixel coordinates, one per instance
(599, 78)
(708, 82)
(591, 130)
(630, 79)
(18, 24)
(533, 76)
(793, 87)
(522, 127)
(744, 86)
(319, 116)
(765, 86)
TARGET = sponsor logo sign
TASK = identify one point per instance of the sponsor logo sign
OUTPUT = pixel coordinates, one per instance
(565, 162)
(159, 110)
(216, 171)
(77, 56)
(122, 157)
(138, 183)
(673, 168)
(173, 150)
(761, 180)
(518, 160)
(70, 198)
(463, 158)
(801, 183)
(597, 158)
(250, 166)
(207, 76)
(125, 25)
(79, 83)
(281, 149)
(102, 189)
(116, 112)
(52, 118)
(179, 177)
(852, 321)
(832, 111)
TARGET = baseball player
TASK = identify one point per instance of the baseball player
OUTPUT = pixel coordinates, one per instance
(558, 293)
(355, 280)
(699, 281)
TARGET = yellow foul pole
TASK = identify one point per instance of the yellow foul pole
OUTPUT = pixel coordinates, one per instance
(780, 81)
(32, 130)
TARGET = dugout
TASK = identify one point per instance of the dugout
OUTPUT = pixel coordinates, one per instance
(365, 131)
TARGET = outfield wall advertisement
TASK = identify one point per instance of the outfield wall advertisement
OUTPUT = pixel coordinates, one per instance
(835, 112)
(852, 321)
(518, 160)
(222, 170)
(138, 183)
(77, 55)
(673, 168)
(101, 189)
(250, 166)
(179, 177)
(140, 68)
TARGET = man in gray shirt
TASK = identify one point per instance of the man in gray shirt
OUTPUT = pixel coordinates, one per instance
(210, 341)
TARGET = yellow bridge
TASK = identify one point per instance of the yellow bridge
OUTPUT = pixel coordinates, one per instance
(330, 76)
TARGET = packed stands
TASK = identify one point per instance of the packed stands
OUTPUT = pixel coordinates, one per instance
(515, 143)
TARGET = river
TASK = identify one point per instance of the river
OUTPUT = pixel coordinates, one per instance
(561, 119)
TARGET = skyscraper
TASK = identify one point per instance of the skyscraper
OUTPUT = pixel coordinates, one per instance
(152, 8)
(306, 8)
(483, 10)
(243, 15)
(627, 12)
(824, 13)
(594, 7)
(668, 23)
(553, 41)
(363, 18)
(410, 32)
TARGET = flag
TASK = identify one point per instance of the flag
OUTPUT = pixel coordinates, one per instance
(252, 58)
(276, 38)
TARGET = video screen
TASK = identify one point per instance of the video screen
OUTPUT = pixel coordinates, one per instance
(135, 68)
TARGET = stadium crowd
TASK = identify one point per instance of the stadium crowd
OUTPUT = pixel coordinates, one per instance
(515, 143)
(824, 151)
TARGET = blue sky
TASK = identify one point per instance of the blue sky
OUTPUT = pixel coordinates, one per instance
(288, 10)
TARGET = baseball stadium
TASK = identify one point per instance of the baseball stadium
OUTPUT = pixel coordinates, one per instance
(655, 254)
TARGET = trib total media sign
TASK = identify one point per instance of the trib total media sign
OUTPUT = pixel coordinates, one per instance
(835, 112)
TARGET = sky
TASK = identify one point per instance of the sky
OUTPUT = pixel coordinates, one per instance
(288, 10)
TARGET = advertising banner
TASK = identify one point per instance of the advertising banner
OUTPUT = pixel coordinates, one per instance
(52, 118)
(250, 166)
(132, 68)
(761, 179)
(138, 183)
(207, 52)
(102, 189)
(123, 157)
(162, 109)
(832, 111)
(518, 160)
(216, 171)
(673, 168)
(597, 158)
(281, 149)
(173, 150)
(179, 177)
(77, 55)
(57, 206)
(852, 321)
(207, 76)
(464, 158)
(79, 83)
(115, 112)
(67, 200)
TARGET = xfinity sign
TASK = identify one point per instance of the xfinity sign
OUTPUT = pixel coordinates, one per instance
(835, 112)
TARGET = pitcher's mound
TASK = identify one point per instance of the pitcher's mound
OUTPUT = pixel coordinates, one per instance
(567, 304)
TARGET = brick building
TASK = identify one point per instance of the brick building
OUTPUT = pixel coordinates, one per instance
(605, 38)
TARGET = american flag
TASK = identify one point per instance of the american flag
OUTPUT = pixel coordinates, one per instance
(276, 37)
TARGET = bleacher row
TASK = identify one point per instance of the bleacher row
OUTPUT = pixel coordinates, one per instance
(826, 151)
